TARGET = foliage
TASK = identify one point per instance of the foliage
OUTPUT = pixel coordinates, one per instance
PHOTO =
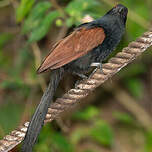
(58, 142)
(23, 9)
(123, 117)
(102, 133)
(36, 16)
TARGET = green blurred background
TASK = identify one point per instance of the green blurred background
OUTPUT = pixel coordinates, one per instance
(114, 118)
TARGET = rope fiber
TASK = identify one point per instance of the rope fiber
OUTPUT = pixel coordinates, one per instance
(83, 88)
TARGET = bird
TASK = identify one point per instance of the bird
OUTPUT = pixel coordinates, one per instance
(87, 46)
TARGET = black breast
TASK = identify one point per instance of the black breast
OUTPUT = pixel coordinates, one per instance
(114, 32)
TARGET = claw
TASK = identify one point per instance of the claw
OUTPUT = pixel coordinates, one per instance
(98, 65)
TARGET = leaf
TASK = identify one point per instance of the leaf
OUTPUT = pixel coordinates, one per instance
(123, 117)
(4, 38)
(87, 114)
(16, 85)
(102, 133)
(134, 70)
(60, 143)
(59, 22)
(44, 141)
(51, 140)
(36, 16)
(78, 6)
(39, 32)
(76, 9)
(12, 112)
(89, 150)
(23, 9)
(148, 141)
(12, 85)
(135, 86)
(78, 134)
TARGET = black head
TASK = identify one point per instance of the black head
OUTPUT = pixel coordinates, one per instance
(121, 11)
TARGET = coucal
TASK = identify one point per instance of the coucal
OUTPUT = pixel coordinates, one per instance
(88, 45)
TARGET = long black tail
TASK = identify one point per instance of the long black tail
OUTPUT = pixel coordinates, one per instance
(41, 111)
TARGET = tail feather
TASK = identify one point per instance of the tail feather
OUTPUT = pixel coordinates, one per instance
(41, 111)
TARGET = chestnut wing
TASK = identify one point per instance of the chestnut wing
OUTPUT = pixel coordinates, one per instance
(72, 47)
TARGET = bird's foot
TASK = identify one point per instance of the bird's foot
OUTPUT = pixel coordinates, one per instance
(84, 77)
(98, 65)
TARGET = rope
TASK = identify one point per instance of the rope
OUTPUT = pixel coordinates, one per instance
(83, 88)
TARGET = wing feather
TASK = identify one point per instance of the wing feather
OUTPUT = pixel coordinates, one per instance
(72, 47)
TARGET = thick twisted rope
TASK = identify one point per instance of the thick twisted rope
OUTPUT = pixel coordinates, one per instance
(83, 88)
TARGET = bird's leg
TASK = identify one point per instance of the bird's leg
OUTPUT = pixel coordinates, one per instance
(80, 75)
(98, 65)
